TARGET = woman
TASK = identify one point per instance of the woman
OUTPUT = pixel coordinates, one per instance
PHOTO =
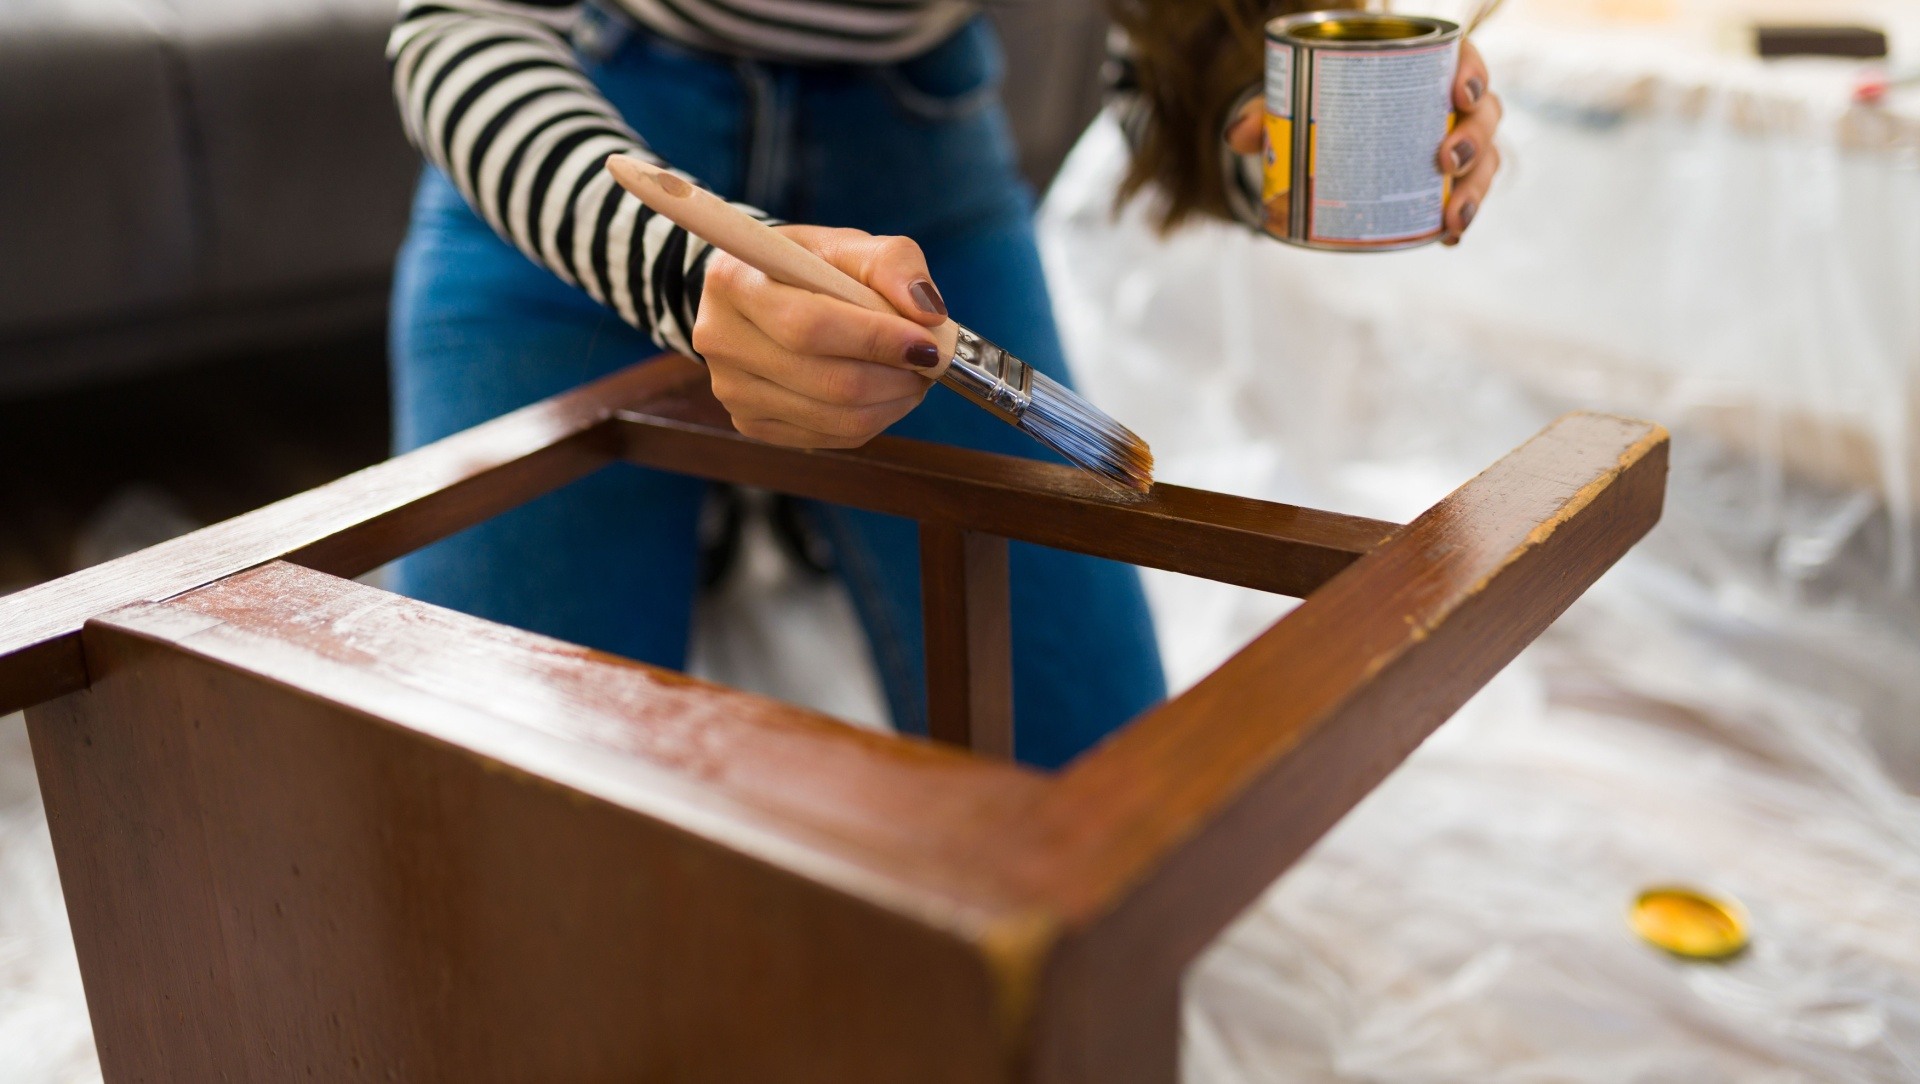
(873, 121)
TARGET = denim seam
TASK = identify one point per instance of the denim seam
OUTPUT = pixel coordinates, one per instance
(933, 107)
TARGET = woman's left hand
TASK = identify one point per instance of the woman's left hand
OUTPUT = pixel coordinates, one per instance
(1468, 155)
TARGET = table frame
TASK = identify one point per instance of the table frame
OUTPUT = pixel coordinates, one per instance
(848, 906)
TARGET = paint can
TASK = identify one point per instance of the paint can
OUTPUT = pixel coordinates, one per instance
(1357, 106)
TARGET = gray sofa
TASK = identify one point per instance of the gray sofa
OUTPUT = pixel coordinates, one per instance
(185, 177)
(181, 178)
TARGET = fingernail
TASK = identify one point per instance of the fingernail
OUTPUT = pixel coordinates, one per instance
(1475, 87)
(1463, 153)
(923, 355)
(1467, 211)
(928, 298)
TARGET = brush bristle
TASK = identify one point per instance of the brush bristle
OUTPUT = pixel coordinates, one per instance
(1086, 435)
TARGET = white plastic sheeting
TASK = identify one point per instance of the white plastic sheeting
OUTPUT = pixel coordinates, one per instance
(1728, 708)
(44, 1035)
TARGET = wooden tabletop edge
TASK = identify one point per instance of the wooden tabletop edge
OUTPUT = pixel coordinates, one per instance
(40, 625)
(1338, 531)
(988, 918)
(1636, 444)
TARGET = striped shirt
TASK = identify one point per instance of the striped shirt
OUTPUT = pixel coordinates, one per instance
(845, 31)
(491, 92)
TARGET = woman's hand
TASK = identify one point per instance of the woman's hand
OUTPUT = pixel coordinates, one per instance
(1468, 154)
(809, 371)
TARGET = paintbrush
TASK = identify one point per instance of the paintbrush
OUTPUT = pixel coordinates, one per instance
(1005, 386)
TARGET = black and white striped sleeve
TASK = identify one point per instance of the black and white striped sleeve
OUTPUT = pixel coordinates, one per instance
(490, 92)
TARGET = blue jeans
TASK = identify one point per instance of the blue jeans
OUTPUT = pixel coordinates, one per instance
(919, 148)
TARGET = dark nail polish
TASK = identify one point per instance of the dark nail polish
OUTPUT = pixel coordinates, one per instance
(1475, 88)
(1463, 153)
(923, 355)
(928, 298)
(1467, 211)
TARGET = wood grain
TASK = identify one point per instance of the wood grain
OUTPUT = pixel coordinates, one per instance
(1260, 544)
(969, 639)
(373, 516)
(907, 803)
(1153, 842)
(308, 829)
(349, 526)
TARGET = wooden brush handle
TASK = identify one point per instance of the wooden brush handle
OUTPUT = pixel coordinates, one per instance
(755, 243)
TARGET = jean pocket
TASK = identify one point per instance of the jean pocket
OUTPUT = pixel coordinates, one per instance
(957, 78)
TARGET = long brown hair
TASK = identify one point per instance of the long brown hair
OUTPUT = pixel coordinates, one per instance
(1192, 59)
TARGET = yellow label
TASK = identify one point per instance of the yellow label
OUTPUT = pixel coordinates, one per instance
(1279, 175)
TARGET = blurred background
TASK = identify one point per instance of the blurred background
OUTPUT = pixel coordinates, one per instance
(199, 205)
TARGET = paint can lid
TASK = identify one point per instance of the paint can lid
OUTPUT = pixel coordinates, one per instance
(1689, 923)
(1359, 29)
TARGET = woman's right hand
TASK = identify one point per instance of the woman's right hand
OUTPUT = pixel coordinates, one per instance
(810, 371)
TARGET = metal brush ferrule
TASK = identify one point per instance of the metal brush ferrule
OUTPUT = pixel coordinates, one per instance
(989, 376)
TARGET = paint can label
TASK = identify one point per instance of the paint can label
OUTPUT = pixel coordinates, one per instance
(1374, 95)
(1278, 176)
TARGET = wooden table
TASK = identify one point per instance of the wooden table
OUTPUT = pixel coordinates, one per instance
(307, 828)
